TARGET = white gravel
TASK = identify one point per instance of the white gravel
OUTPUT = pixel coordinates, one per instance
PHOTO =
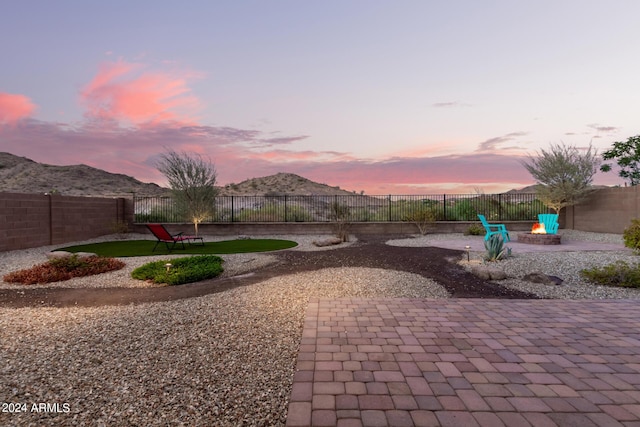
(563, 264)
(224, 359)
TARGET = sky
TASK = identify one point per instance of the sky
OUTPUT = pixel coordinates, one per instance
(385, 97)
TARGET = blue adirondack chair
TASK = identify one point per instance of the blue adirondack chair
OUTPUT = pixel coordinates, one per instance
(492, 229)
(550, 222)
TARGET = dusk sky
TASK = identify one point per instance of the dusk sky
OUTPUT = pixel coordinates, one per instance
(386, 97)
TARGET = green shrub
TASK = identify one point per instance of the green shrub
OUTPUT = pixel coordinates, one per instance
(496, 249)
(619, 274)
(422, 217)
(474, 230)
(182, 270)
(631, 235)
(464, 210)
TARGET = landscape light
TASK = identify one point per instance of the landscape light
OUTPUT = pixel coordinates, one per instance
(468, 248)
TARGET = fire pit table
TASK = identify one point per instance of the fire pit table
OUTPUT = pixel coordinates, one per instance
(539, 236)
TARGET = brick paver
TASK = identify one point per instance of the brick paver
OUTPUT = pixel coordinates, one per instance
(413, 362)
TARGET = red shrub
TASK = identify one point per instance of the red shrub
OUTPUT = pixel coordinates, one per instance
(67, 268)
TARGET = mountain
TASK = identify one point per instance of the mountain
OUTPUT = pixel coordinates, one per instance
(281, 184)
(22, 175)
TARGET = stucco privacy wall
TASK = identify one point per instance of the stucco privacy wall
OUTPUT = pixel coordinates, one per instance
(32, 220)
(608, 210)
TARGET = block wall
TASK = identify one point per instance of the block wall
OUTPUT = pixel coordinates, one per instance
(32, 220)
(608, 210)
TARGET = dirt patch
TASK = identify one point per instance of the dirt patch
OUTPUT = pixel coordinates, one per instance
(369, 251)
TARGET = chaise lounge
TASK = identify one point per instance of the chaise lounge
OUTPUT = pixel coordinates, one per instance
(163, 236)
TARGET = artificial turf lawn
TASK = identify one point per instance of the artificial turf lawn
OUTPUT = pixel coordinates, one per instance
(128, 248)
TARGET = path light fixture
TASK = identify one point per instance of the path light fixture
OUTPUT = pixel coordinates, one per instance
(168, 265)
(468, 248)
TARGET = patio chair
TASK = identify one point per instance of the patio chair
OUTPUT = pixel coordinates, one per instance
(492, 229)
(168, 239)
(550, 222)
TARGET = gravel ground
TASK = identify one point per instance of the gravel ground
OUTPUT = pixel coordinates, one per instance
(566, 265)
(224, 359)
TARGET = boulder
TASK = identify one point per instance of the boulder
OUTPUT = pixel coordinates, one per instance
(65, 254)
(327, 242)
(488, 273)
(538, 277)
(58, 254)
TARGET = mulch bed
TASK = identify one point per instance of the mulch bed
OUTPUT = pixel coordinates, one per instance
(370, 251)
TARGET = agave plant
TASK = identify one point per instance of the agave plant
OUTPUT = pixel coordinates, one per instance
(496, 249)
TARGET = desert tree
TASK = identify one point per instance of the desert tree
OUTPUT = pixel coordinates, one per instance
(563, 173)
(340, 214)
(627, 154)
(192, 180)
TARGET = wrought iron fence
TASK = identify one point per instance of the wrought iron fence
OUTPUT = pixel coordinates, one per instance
(353, 208)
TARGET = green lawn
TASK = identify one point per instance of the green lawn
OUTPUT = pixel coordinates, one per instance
(129, 248)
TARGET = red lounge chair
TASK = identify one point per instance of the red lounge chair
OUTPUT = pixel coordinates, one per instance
(167, 238)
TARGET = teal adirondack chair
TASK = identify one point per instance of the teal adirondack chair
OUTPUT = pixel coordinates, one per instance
(550, 222)
(492, 229)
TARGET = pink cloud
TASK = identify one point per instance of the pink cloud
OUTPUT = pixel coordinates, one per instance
(14, 108)
(126, 91)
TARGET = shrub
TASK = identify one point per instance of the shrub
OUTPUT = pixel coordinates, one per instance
(340, 215)
(66, 268)
(631, 235)
(422, 217)
(474, 230)
(496, 249)
(619, 274)
(121, 228)
(464, 210)
(182, 270)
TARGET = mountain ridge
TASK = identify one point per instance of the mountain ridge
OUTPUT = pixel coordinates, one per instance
(23, 175)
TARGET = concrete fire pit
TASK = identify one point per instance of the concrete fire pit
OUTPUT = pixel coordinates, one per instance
(539, 239)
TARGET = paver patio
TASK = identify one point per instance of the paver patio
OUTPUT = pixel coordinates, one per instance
(468, 362)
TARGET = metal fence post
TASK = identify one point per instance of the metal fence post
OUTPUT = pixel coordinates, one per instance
(232, 210)
(444, 206)
(286, 216)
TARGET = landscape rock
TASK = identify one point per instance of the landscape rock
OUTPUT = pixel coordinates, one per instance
(538, 277)
(488, 273)
(65, 254)
(58, 254)
(327, 242)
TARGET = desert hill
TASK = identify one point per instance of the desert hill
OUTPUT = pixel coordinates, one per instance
(281, 184)
(23, 175)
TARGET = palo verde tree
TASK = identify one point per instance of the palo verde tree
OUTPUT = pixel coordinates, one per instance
(192, 181)
(627, 154)
(563, 173)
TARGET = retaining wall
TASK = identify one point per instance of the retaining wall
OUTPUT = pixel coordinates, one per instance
(266, 228)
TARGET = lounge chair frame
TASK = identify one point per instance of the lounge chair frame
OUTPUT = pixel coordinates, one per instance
(492, 229)
(550, 222)
(171, 240)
